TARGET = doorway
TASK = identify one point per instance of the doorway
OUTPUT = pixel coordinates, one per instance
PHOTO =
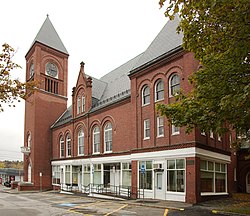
(159, 185)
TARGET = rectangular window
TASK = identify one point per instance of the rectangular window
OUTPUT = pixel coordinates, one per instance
(176, 175)
(146, 129)
(56, 175)
(146, 176)
(67, 174)
(126, 175)
(160, 126)
(75, 170)
(97, 174)
(175, 130)
(86, 175)
(213, 177)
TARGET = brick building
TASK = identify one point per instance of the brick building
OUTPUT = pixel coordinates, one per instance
(111, 136)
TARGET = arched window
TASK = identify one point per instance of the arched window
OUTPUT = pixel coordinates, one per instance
(78, 104)
(159, 90)
(68, 145)
(83, 104)
(146, 95)
(61, 147)
(108, 137)
(29, 140)
(80, 142)
(96, 140)
(174, 85)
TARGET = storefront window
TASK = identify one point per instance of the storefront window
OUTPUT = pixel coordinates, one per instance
(176, 175)
(56, 175)
(67, 174)
(213, 177)
(145, 180)
(75, 170)
(86, 175)
(126, 175)
(97, 175)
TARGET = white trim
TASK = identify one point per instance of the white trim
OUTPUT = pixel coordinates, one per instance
(159, 155)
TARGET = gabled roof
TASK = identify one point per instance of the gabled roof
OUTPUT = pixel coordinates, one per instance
(117, 80)
(115, 86)
(48, 36)
(165, 42)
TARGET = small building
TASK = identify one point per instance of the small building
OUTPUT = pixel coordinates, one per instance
(10, 174)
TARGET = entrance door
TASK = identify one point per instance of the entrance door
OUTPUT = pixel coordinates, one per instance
(29, 173)
(248, 183)
(159, 185)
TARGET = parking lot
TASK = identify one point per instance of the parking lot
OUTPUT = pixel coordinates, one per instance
(47, 203)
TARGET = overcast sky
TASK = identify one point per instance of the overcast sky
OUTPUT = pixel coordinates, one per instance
(103, 34)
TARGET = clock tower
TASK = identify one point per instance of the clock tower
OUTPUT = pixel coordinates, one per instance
(46, 63)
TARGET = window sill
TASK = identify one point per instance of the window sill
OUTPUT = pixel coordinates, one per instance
(146, 138)
(160, 136)
(156, 101)
(107, 152)
(213, 194)
(80, 154)
(96, 153)
(143, 105)
(176, 133)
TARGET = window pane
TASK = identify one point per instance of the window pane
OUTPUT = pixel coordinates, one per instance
(171, 186)
(203, 165)
(217, 167)
(180, 180)
(220, 182)
(171, 164)
(159, 181)
(207, 181)
(126, 178)
(210, 166)
(180, 164)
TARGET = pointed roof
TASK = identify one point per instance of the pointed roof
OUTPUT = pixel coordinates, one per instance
(48, 36)
(166, 42)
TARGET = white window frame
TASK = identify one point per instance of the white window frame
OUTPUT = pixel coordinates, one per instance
(96, 133)
(157, 90)
(83, 104)
(108, 138)
(80, 139)
(61, 143)
(214, 171)
(144, 95)
(172, 85)
(146, 128)
(68, 145)
(175, 130)
(160, 124)
(78, 109)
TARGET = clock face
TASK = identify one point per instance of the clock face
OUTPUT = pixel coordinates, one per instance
(51, 70)
(31, 70)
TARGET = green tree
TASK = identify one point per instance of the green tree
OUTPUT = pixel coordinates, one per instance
(218, 33)
(11, 90)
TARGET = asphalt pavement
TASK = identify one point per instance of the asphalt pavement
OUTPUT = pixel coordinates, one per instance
(85, 204)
